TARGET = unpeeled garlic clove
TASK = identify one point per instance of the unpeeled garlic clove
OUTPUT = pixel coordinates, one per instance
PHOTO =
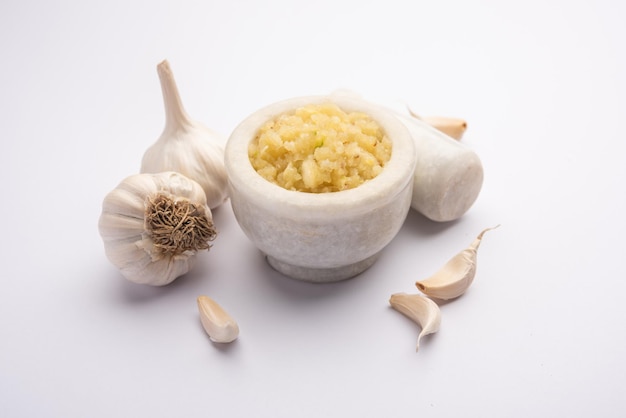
(453, 127)
(419, 309)
(220, 326)
(456, 276)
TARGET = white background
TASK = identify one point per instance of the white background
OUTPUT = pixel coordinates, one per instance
(541, 331)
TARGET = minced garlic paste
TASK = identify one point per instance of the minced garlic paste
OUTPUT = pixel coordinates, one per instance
(320, 148)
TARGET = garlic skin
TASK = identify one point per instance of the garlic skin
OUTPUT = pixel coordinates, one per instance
(152, 226)
(456, 276)
(420, 310)
(218, 324)
(186, 146)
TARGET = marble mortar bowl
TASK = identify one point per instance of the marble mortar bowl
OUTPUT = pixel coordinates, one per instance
(321, 237)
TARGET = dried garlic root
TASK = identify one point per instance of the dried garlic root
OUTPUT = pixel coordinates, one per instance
(453, 127)
(220, 326)
(456, 276)
(419, 309)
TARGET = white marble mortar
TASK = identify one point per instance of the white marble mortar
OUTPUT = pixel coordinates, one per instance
(321, 237)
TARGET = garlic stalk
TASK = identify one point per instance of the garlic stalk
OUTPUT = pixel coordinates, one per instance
(153, 225)
(419, 309)
(456, 276)
(217, 323)
(186, 146)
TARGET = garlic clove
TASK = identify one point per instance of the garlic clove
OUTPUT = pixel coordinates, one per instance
(187, 146)
(453, 127)
(456, 276)
(419, 309)
(217, 323)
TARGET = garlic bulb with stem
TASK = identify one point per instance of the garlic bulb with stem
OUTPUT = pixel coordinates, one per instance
(153, 225)
(187, 146)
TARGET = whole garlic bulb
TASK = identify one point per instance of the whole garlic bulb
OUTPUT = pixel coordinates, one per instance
(153, 225)
(187, 146)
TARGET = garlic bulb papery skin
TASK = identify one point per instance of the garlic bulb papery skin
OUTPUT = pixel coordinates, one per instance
(186, 146)
(153, 225)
